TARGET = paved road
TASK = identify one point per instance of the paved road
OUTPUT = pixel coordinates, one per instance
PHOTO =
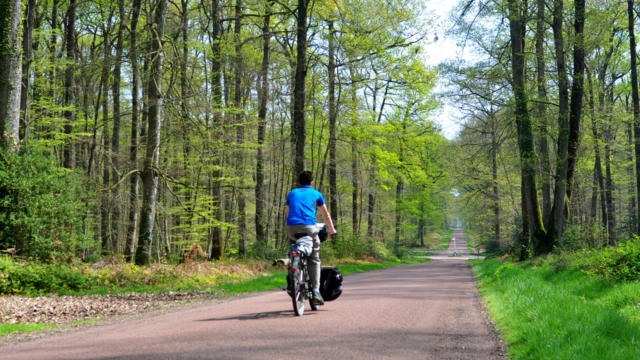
(457, 249)
(424, 311)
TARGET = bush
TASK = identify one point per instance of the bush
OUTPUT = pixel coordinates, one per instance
(21, 278)
(616, 262)
(41, 205)
(578, 237)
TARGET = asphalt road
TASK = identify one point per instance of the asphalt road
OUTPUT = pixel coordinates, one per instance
(424, 311)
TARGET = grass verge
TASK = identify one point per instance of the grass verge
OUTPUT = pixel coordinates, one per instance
(6, 329)
(546, 312)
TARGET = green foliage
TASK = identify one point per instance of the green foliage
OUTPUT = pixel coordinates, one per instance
(578, 237)
(21, 278)
(350, 247)
(544, 312)
(615, 262)
(41, 205)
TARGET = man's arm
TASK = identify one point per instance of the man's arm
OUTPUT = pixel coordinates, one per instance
(327, 219)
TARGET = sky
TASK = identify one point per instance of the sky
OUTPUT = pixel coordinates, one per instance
(445, 48)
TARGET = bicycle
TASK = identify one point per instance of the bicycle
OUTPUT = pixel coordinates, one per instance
(298, 279)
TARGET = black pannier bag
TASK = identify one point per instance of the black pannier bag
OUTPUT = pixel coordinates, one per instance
(330, 283)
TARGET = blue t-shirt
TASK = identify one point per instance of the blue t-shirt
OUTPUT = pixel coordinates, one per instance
(302, 203)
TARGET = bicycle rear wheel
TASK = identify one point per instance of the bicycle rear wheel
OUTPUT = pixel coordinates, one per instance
(299, 292)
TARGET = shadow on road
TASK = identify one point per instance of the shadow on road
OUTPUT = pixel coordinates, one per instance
(262, 315)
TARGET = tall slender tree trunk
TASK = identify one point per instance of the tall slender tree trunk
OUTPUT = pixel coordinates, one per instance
(636, 105)
(577, 94)
(598, 182)
(611, 212)
(543, 144)
(217, 242)
(184, 113)
(105, 208)
(598, 172)
(299, 135)
(239, 120)
(152, 158)
(555, 224)
(115, 136)
(631, 174)
(260, 220)
(10, 73)
(398, 212)
(333, 115)
(135, 123)
(69, 96)
(495, 148)
(372, 170)
(27, 51)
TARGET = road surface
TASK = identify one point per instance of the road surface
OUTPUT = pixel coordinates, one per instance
(423, 311)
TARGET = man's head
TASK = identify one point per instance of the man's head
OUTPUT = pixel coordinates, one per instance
(305, 178)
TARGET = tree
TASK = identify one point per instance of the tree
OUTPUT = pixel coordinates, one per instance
(10, 72)
(152, 158)
(298, 132)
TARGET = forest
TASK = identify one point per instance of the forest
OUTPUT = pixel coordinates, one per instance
(548, 159)
(147, 129)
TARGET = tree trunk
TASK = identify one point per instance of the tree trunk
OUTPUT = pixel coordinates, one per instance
(115, 137)
(105, 208)
(630, 171)
(333, 114)
(135, 123)
(10, 73)
(299, 128)
(577, 94)
(609, 138)
(495, 148)
(260, 220)
(217, 248)
(69, 96)
(184, 113)
(239, 120)
(555, 224)
(398, 212)
(531, 216)
(543, 144)
(636, 104)
(152, 158)
(27, 50)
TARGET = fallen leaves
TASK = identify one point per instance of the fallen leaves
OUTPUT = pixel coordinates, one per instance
(66, 309)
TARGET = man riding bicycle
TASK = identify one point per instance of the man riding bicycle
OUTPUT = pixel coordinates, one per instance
(301, 220)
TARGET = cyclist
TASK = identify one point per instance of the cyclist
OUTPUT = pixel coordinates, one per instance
(302, 203)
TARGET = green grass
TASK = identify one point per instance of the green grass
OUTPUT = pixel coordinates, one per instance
(12, 328)
(6, 329)
(546, 312)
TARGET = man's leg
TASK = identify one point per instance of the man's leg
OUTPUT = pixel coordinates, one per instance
(315, 263)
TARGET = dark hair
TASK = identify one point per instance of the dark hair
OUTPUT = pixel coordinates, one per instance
(305, 178)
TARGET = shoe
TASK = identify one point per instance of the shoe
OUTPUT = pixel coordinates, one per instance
(317, 298)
